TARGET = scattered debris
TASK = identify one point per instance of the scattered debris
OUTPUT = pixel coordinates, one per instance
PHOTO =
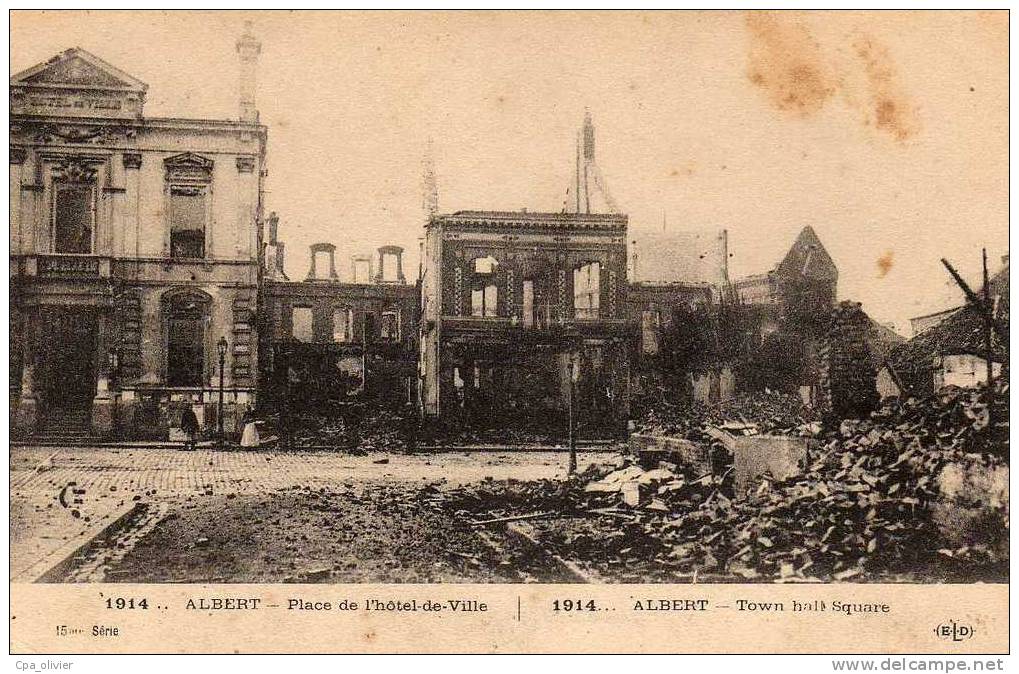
(863, 505)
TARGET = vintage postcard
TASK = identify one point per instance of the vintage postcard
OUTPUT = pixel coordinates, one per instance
(509, 332)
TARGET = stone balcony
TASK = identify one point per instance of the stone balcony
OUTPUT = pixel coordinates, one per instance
(78, 267)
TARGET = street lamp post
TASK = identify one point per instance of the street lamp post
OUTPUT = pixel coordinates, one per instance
(571, 369)
(114, 380)
(221, 347)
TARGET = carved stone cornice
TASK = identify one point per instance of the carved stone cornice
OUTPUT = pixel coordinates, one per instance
(18, 155)
(77, 134)
(132, 160)
(245, 164)
(75, 170)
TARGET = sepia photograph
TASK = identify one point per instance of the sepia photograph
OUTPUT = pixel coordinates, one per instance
(515, 297)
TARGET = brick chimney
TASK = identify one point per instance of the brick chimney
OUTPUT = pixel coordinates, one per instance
(248, 49)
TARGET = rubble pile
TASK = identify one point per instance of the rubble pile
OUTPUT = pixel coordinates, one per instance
(382, 430)
(861, 509)
(357, 430)
(466, 435)
(768, 412)
(310, 430)
(496, 499)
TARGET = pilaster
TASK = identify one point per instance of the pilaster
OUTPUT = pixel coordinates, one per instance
(102, 403)
(28, 403)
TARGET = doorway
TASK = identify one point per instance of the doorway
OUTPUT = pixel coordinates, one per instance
(67, 360)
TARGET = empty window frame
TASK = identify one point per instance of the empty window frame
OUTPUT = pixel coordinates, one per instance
(343, 325)
(528, 303)
(390, 267)
(485, 265)
(587, 290)
(73, 217)
(323, 264)
(484, 301)
(361, 270)
(187, 221)
(390, 326)
(301, 326)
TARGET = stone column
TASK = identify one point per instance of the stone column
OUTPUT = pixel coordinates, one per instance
(28, 403)
(102, 404)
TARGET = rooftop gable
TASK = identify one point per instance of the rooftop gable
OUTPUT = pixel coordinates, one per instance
(808, 259)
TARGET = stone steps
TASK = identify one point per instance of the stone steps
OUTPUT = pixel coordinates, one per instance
(65, 428)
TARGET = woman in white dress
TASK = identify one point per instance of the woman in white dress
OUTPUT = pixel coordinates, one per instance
(249, 438)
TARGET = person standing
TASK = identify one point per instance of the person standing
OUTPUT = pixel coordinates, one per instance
(410, 427)
(189, 424)
(249, 437)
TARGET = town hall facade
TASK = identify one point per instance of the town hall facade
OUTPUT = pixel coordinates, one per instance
(134, 253)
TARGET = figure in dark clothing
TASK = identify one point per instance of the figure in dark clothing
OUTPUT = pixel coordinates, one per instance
(189, 424)
(410, 427)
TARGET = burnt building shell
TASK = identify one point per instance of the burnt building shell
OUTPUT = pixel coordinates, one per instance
(512, 302)
(326, 339)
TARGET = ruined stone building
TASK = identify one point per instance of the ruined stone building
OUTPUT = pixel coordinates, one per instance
(790, 308)
(952, 351)
(512, 303)
(802, 287)
(329, 339)
(674, 275)
(134, 252)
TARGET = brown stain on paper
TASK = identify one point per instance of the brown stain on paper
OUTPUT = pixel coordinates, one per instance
(890, 109)
(787, 64)
(884, 264)
(687, 169)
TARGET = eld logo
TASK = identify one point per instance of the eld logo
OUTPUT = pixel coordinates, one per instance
(954, 631)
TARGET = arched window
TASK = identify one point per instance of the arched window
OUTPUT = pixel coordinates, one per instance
(185, 319)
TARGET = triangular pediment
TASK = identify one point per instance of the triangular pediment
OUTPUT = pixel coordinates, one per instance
(189, 167)
(77, 69)
(189, 159)
(76, 83)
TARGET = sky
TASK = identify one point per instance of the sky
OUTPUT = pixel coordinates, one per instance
(887, 132)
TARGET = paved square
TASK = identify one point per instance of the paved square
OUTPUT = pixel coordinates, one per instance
(57, 495)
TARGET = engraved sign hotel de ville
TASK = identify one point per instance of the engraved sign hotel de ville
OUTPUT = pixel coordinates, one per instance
(509, 332)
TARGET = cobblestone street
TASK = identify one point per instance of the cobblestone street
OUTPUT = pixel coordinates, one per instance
(57, 495)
